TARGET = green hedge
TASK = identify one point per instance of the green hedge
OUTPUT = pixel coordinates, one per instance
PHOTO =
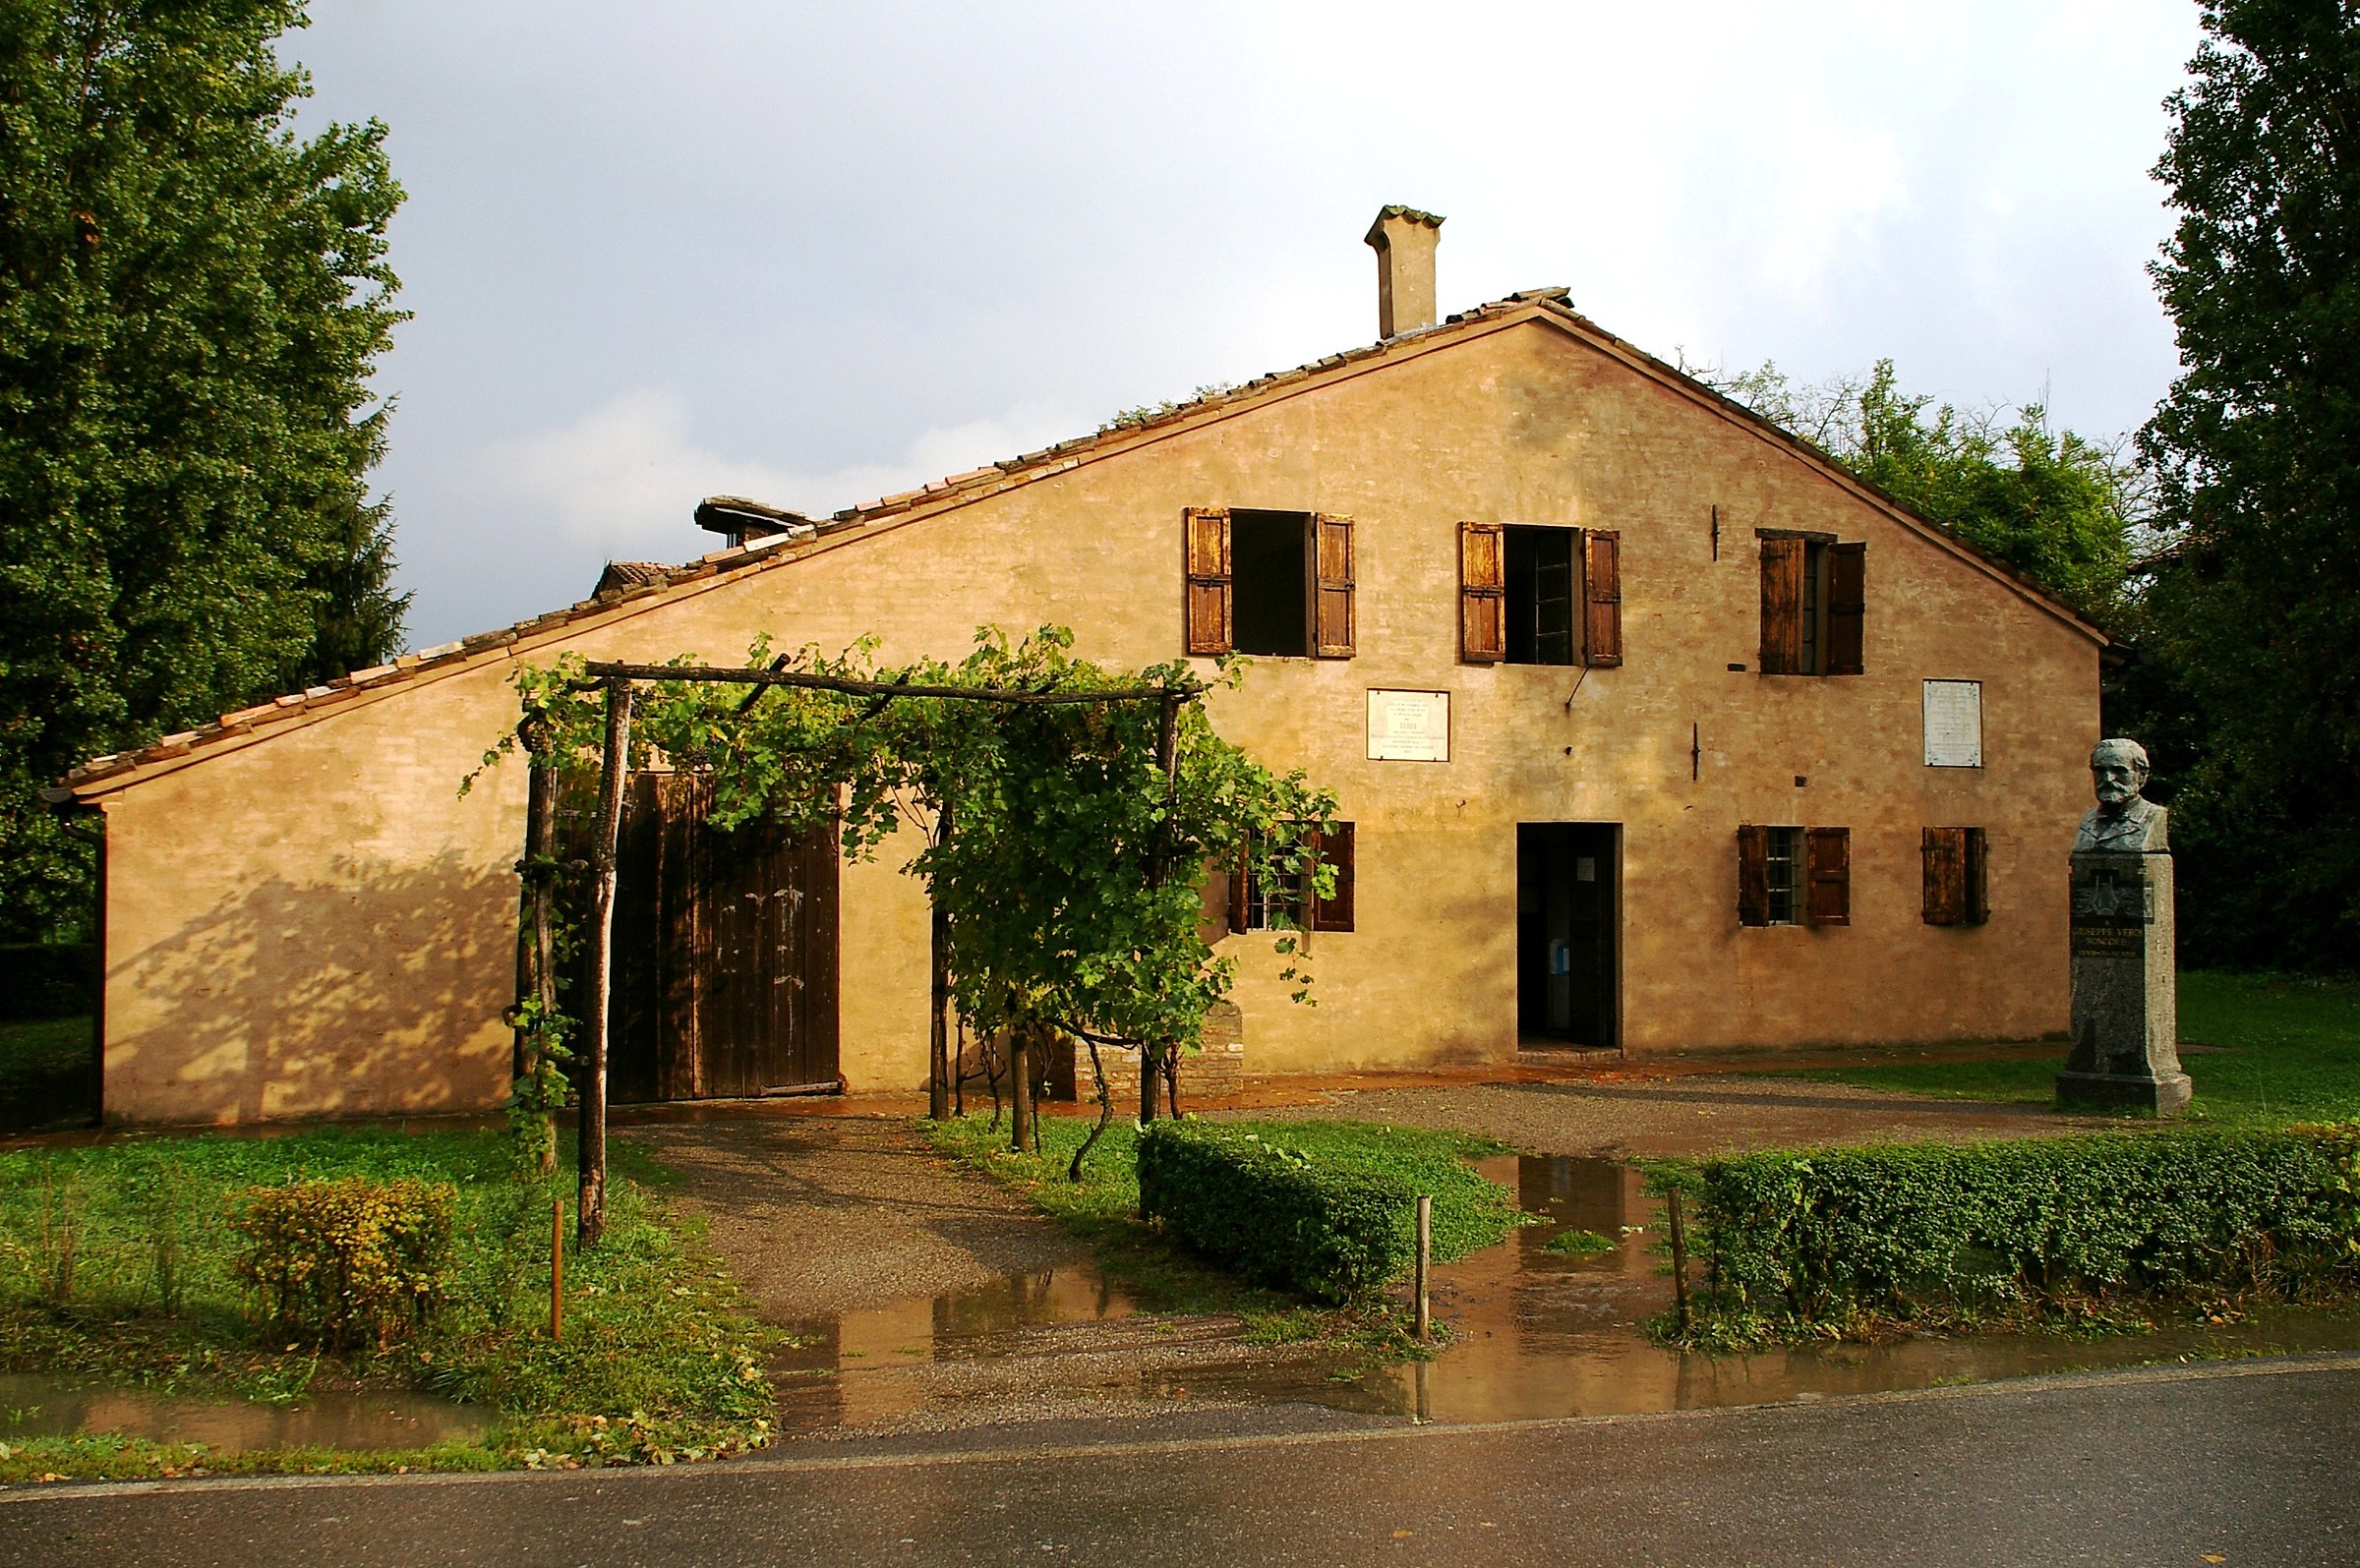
(1825, 1233)
(1322, 1208)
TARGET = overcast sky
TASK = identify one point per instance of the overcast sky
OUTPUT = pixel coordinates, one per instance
(814, 254)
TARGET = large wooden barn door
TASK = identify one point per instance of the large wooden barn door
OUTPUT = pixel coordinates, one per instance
(725, 951)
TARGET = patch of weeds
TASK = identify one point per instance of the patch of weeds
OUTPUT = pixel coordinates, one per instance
(1578, 1244)
(662, 1358)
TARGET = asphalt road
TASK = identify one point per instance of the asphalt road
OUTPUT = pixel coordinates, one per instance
(2246, 1463)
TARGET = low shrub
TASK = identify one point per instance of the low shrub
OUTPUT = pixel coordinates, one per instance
(340, 1264)
(1322, 1208)
(1822, 1236)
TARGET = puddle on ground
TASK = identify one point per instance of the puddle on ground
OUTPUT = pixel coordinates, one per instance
(830, 1378)
(1534, 1333)
(33, 1406)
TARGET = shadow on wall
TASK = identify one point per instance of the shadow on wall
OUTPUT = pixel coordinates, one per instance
(379, 993)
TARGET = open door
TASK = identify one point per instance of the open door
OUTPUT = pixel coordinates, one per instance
(1569, 918)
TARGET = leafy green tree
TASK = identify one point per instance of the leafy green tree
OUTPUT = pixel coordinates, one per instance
(2254, 613)
(1070, 865)
(192, 296)
(2057, 508)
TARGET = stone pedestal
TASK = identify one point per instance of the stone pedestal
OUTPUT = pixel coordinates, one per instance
(2126, 1046)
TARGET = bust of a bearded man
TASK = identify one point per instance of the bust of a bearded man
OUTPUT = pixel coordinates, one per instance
(2123, 822)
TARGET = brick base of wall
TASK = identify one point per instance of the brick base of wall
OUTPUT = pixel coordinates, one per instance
(1211, 1073)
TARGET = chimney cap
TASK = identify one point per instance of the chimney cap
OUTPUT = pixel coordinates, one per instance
(741, 518)
(1377, 236)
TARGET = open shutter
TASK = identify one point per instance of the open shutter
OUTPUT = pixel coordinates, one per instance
(1782, 606)
(1831, 876)
(1847, 606)
(1482, 593)
(1241, 890)
(1979, 877)
(1754, 876)
(1335, 849)
(1602, 597)
(1943, 853)
(1332, 609)
(1209, 595)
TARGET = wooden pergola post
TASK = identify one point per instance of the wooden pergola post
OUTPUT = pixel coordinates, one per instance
(590, 1214)
(944, 1069)
(1167, 758)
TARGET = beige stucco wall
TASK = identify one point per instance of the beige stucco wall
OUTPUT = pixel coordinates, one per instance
(318, 924)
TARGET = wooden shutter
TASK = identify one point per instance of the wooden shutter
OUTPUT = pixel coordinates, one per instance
(1754, 875)
(1335, 850)
(1782, 606)
(1831, 876)
(1979, 877)
(1482, 593)
(1209, 619)
(1847, 606)
(1602, 597)
(1331, 609)
(1241, 890)
(1942, 853)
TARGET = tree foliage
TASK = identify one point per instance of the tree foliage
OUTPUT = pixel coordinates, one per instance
(2056, 507)
(1071, 868)
(191, 299)
(2253, 617)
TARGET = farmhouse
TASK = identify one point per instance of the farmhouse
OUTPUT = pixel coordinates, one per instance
(1655, 730)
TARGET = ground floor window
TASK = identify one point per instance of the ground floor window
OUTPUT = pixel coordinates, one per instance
(1794, 876)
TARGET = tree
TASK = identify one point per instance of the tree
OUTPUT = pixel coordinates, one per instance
(2254, 613)
(1072, 868)
(192, 298)
(2056, 507)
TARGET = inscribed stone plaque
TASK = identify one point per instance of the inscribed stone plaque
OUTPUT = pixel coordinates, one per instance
(1409, 726)
(1954, 724)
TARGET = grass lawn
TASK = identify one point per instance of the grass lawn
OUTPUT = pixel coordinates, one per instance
(1102, 1208)
(2292, 1053)
(660, 1358)
(45, 1075)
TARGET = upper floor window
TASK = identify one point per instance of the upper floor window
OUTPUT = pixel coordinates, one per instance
(1813, 605)
(1540, 594)
(1268, 583)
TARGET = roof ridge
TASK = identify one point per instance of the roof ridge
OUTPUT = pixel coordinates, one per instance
(972, 484)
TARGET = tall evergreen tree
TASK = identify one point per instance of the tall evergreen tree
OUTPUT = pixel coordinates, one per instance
(192, 296)
(2254, 613)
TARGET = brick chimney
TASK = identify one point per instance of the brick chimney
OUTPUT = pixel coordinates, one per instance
(1404, 238)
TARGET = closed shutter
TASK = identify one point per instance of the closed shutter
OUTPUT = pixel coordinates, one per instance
(1847, 606)
(1210, 617)
(1831, 876)
(1943, 853)
(1482, 593)
(1334, 847)
(1979, 877)
(1754, 875)
(1602, 597)
(1782, 606)
(1334, 607)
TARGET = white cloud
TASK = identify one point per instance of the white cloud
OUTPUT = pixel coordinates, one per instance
(622, 479)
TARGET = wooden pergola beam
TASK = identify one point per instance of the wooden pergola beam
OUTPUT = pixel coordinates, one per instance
(601, 674)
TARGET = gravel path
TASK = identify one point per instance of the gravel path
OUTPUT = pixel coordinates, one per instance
(1685, 1115)
(828, 1215)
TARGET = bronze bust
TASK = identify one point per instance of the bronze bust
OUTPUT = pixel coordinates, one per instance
(2123, 822)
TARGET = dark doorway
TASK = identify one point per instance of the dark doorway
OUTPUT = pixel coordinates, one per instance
(1568, 910)
(725, 951)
